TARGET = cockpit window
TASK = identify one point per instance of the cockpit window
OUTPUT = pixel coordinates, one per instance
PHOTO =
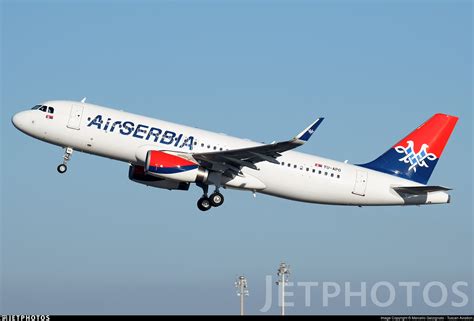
(44, 108)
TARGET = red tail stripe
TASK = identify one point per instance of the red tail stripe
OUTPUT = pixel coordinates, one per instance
(434, 132)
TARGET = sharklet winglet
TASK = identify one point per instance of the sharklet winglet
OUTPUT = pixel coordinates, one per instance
(306, 134)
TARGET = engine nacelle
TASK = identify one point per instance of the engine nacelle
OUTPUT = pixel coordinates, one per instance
(137, 174)
(175, 166)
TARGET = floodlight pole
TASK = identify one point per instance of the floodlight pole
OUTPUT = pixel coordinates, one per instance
(241, 285)
(283, 273)
(241, 299)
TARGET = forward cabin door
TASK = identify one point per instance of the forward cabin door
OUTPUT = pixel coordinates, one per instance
(360, 184)
(75, 117)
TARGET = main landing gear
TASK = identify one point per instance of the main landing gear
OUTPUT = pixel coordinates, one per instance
(217, 199)
(206, 202)
(62, 168)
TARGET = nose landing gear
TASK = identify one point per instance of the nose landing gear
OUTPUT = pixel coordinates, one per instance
(62, 168)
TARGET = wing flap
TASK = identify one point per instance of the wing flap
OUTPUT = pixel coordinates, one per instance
(267, 158)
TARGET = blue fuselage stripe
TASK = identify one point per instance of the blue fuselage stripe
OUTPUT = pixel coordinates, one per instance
(171, 170)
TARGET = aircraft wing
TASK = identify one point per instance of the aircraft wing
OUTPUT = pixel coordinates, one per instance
(235, 159)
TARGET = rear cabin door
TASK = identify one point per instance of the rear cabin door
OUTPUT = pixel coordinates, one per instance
(75, 117)
(360, 184)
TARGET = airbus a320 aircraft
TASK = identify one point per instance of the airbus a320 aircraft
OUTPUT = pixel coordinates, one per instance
(171, 156)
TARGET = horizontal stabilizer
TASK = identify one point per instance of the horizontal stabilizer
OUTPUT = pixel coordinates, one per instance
(416, 190)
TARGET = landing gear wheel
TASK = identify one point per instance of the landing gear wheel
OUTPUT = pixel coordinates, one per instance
(217, 199)
(62, 168)
(204, 204)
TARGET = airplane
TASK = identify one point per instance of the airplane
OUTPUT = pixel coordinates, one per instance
(171, 156)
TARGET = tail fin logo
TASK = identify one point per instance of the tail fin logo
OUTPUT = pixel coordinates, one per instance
(415, 159)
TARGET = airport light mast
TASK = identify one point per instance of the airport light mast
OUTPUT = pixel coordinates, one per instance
(283, 274)
(242, 291)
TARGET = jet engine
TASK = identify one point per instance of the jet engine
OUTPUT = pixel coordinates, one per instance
(176, 166)
(137, 174)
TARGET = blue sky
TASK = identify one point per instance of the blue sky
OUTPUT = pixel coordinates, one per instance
(93, 242)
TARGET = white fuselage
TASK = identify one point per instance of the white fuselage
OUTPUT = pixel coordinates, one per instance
(299, 176)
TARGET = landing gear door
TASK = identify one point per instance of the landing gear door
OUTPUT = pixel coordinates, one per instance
(75, 117)
(360, 184)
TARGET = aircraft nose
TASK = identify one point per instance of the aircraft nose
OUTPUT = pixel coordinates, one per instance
(19, 120)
